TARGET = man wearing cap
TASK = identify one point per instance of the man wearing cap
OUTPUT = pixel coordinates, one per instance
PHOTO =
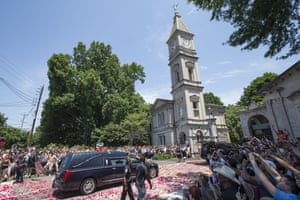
(229, 184)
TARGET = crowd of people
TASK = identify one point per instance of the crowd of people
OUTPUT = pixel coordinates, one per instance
(16, 163)
(257, 169)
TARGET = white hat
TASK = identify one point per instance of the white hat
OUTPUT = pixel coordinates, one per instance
(227, 172)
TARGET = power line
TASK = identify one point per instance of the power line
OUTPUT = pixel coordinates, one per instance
(10, 68)
(15, 104)
(16, 91)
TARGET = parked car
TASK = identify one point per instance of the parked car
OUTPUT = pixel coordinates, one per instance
(89, 170)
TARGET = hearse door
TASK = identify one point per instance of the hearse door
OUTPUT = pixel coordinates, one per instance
(117, 167)
(105, 172)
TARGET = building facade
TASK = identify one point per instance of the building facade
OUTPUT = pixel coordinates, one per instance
(186, 119)
(281, 110)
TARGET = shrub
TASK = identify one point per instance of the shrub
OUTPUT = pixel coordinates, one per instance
(163, 156)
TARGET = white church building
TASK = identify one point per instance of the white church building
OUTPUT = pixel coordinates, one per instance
(185, 119)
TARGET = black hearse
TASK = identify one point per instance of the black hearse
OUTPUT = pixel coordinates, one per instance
(89, 170)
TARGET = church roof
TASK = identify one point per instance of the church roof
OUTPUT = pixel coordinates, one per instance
(295, 68)
(161, 103)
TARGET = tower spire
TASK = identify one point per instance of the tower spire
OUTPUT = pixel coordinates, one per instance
(175, 6)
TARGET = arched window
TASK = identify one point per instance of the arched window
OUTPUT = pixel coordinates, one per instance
(176, 73)
(195, 105)
(190, 67)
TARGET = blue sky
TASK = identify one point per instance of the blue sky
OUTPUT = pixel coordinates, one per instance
(33, 30)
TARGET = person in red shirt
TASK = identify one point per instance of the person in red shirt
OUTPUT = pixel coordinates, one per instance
(282, 136)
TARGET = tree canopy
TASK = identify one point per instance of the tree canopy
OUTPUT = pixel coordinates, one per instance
(271, 23)
(233, 122)
(250, 92)
(210, 98)
(3, 119)
(90, 94)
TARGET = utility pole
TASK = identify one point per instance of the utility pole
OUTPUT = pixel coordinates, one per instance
(22, 122)
(35, 115)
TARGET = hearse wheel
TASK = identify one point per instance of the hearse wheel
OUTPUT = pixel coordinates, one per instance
(88, 186)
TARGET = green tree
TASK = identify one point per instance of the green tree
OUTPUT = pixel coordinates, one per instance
(233, 123)
(250, 92)
(137, 126)
(133, 129)
(271, 23)
(90, 95)
(210, 98)
(13, 136)
(59, 114)
(3, 119)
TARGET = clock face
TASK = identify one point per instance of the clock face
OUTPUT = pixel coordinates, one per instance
(186, 42)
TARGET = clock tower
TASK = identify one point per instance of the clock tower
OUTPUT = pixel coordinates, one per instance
(185, 120)
(185, 80)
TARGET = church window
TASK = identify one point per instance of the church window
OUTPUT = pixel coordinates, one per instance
(162, 139)
(176, 73)
(195, 105)
(177, 77)
(196, 113)
(191, 77)
(180, 112)
(182, 138)
(161, 119)
(190, 67)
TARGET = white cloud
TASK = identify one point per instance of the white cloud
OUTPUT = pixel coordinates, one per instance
(266, 66)
(233, 73)
(226, 62)
(162, 56)
(253, 65)
(203, 67)
(277, 66)
(209, 81)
